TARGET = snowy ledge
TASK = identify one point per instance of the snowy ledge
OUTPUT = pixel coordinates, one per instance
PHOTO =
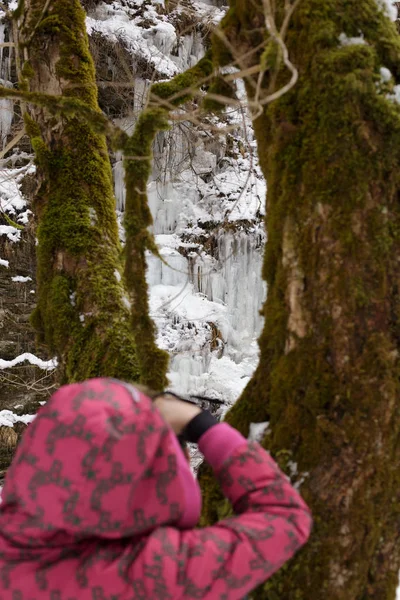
(13, 234)
(8, 418)
(46, 365)
(20, 279)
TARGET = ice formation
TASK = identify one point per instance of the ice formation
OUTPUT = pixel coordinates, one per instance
(6, 105)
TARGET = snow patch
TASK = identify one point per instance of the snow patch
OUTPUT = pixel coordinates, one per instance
(351, 41)
(395, 97)
(23, 217)
(389, 8)
(11, 199)
(8, 418)
(4, 263)
(386, 75)
(92, 216)
(155, 42)
(145, 44)
(126, 302)
(20, 279)
(294, 473)
(46, 365)
(258, 431)
(119, 181)
(13, 234)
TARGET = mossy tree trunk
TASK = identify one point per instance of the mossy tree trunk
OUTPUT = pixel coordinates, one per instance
(328, 377)
(83, 312)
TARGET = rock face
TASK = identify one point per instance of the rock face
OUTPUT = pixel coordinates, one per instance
(24, 385)
(17, 287)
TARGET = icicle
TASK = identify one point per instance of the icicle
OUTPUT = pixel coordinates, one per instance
(2, 40)
(159, 273)
(6, 105)
(119, 182)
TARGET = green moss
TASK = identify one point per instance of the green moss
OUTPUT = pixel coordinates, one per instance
(180, 89)
(213, 500)
(219, 87)
(222, 54)
(272, 56)
(27, 70)
(138, 157)
(9, 221)
(75, 221)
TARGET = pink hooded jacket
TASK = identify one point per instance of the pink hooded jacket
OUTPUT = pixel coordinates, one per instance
(100, 504)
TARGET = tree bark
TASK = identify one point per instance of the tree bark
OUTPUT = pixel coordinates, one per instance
(83, 312)
(328, 376)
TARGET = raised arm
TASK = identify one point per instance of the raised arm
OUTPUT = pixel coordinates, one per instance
(231, 558)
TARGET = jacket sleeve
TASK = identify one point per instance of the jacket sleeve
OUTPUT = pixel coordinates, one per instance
(229, 559)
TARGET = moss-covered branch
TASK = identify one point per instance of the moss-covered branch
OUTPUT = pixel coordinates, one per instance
(138, 163)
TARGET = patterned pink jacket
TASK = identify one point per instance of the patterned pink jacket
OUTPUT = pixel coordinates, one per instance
(100, 504)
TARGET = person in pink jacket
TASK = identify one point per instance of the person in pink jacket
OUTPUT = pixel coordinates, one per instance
(100, 503)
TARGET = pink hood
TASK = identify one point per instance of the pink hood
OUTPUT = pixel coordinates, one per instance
(98, 462)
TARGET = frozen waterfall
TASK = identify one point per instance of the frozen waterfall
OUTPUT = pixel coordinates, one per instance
(206, 299)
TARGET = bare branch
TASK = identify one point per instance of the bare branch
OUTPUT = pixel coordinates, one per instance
(277, 37)
(243, 73)
(13, 143)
